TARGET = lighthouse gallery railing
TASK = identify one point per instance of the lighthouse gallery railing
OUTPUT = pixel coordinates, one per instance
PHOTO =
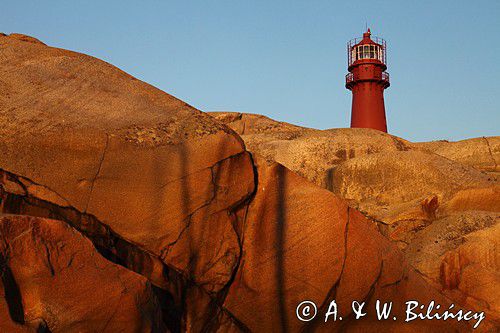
(350, 77)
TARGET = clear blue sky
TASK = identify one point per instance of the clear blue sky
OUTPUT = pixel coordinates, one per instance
(286, 59)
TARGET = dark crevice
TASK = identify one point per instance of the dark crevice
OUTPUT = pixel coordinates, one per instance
(12, 292)
(280, 246)
(329, 179)
(106, 242)
(49, 262)
(170, 309)
(43, 327)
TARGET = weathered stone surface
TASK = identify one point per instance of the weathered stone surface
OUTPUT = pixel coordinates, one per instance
(79, 133)
(411, 190)
(459, 255)
(54, 279)
(393, 187)
(481, 153)
(323, 150)
(389, 179)
(170, 193)
(301, 242)
(311, 153)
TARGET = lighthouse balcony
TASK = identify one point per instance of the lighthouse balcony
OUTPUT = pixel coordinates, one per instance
(350, 79)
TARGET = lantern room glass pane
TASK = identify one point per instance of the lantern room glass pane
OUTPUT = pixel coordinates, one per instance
(373, 51)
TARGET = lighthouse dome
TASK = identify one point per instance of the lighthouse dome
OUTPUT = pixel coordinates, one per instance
(367, 48)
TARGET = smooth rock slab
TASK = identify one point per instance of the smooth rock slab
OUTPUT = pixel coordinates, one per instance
(53, 277)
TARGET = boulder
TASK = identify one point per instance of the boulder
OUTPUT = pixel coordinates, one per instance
(458, 255)
(439, 201)
(121, 161)
(301, 242)
(53, 280)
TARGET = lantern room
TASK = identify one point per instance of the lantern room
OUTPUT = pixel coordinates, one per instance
(366, 48)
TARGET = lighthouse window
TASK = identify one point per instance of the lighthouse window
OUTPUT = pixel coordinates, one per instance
(367, 52)
(372, 52)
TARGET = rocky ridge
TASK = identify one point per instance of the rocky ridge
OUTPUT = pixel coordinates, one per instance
(438, 201)
(99, 169)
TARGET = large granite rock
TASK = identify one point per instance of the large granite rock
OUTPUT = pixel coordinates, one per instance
(151, 180)
(481, 153)
(171, 194)
(79, 133)
(304, 149)
(53, 280)
(459, 255)
(300, 242)
(429, 197)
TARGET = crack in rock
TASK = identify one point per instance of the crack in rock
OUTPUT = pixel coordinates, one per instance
(101, 161)
(332, 293)
(491, 153)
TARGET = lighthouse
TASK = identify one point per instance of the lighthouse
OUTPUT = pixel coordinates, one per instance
(367, 79)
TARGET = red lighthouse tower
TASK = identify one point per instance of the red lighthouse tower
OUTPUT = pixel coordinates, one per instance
(367, 80)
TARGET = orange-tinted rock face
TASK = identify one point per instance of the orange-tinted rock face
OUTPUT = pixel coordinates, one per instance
(169, 194)
(300, 243)
(54, 279)
(458, 255)
(149, 168)
(427, 197)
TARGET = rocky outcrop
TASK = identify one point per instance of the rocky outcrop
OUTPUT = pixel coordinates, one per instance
(53, 280)
(228, 242)
(427, 197)
(389, 179)
(123, 142)
(311, 153)
(458, 254)
(408, 185)
(145, 176)
(480, 153)
(324, 149)
(302, 243)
